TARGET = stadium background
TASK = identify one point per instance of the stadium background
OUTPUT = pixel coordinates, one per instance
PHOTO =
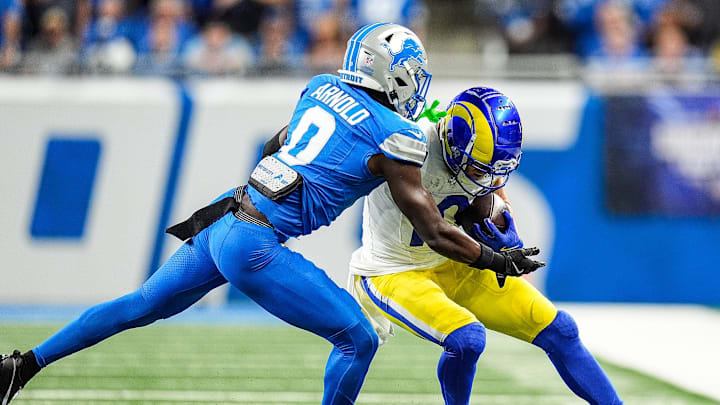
(118, 118)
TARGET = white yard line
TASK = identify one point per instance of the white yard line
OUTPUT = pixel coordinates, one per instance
(300, 397)
(676, 343)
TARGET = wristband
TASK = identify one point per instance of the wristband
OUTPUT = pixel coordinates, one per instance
(489, 259)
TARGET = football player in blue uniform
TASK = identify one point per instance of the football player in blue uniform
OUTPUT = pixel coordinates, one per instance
(348, 135)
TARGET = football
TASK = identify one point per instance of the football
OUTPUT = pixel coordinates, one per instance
(487, 206)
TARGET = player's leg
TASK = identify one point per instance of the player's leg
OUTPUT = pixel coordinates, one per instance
(292, 288)
(414, 301)
(521, 311)
(577, 367)
(185, 278)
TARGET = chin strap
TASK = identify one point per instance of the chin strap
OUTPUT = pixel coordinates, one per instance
(392, 95)
(431, 114)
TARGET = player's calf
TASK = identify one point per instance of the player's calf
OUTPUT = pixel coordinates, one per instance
(15, 371)
(348, 364)
(456, 368)
(577, 367)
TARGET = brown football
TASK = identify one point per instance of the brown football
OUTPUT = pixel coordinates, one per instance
(487, 206)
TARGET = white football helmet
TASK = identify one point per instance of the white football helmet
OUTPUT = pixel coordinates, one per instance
(391, 59)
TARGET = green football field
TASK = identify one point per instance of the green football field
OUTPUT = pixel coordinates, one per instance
(178, 364)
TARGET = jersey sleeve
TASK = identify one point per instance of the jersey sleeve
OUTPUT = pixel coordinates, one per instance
(408, 145)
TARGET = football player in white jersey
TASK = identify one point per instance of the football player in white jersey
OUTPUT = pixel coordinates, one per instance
(472, 150)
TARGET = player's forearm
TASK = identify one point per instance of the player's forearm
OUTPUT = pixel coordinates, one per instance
(456, 245)
(452, 243)
(419, 207)
(273, 145)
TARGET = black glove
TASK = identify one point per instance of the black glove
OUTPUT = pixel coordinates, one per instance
(518, 262)
(513, 263)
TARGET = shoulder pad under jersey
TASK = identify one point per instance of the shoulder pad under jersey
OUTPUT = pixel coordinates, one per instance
(407, 144)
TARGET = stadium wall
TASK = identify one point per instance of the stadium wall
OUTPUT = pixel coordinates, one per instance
(95, 169)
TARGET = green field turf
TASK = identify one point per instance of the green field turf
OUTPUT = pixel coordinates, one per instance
(173, 364)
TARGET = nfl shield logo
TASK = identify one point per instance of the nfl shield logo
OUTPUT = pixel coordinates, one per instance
(369, 59)
(366, 61)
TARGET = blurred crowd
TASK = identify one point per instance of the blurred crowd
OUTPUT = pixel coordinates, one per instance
(169, 37)
(664, 36)
(218, 37)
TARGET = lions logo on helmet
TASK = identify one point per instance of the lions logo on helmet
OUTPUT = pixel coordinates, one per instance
(409, 50)
(389, 58)
(482, 137)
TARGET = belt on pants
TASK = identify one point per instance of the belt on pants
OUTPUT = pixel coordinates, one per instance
(239, 204)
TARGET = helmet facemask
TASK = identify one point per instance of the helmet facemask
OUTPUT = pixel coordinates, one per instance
(490, 178)
(408, 89)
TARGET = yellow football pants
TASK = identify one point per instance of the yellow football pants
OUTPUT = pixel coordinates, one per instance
(432, 303)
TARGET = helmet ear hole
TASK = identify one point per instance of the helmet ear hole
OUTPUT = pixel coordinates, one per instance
(400, 82)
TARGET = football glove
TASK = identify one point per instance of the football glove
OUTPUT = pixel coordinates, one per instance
(518, 262)
(512, 263)
(490, 235)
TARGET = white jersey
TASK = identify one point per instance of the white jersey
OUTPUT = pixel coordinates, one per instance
(389, 242)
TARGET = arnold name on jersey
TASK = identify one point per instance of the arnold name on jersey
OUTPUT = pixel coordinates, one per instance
(341, 102)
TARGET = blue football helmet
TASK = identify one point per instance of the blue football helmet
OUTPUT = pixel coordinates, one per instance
(481, 136)
(391, 59)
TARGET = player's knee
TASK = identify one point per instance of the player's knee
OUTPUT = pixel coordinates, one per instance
(467, 342)
(135, 310)
(368, 345)
(121, 313)
(564, 326)
(561, 330)
(359, 341)
(366, 341)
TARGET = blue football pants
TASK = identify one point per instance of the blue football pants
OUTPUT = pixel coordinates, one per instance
(251, 258)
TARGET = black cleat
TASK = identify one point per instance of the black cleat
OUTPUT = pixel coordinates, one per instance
(10, 381)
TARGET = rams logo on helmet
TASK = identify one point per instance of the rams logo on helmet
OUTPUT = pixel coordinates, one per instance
(409, 50)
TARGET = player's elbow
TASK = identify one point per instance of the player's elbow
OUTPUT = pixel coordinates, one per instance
(434, 243)
(435, 238)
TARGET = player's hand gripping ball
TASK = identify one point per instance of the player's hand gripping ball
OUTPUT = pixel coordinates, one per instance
(487, 220)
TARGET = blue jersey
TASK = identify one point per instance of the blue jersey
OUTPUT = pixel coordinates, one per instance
(334, 131)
